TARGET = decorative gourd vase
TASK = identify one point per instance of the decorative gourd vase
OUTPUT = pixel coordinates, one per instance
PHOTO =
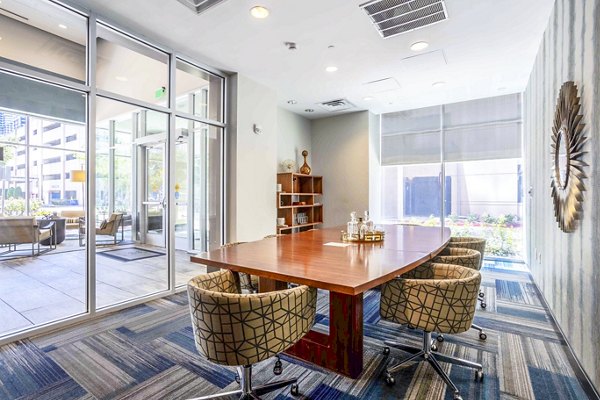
(305, 169)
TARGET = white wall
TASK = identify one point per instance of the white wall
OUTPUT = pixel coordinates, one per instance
(252, 163)
(340, 147)
(293, 136)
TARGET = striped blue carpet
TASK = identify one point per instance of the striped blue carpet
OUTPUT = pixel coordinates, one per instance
(147, 352)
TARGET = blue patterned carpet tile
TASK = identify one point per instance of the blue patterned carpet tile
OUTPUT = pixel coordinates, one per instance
(524, 313)
(26, 370)
(79, 332)
(66, 389)
(173, 384)
(180, 348)
(517, 292)
(156, 325)
(537, 330)
(549, 385)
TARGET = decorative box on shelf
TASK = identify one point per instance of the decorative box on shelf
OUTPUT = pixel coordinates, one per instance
(373, 236)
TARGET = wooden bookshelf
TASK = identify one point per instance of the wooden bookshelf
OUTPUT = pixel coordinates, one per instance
(301, 194)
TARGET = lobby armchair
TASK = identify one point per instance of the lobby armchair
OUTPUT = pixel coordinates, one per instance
(109, 227)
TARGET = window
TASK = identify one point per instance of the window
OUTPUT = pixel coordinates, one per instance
(130, 68)
(44, 102)
(57, 48)
(480, 193)
(199, 92)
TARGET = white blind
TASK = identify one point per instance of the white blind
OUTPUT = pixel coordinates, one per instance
(411, 137)
(480, 129)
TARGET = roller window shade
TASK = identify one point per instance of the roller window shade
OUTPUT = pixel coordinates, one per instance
(36, 98)
(411, 148)
(482, 129)
(411, 137)
(483, 143)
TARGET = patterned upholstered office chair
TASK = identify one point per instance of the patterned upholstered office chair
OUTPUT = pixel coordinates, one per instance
(243, 329)
(433, 298)
(248, 282)
(465, 258)
(472, 243)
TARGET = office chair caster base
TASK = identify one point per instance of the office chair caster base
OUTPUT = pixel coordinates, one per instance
(386, 351)
(434, 347)
(457, 396)
(440, 338)
(278, 368)
(295, 390)
(482, 336)
(389, 380)
(483, 305)
(481, 295)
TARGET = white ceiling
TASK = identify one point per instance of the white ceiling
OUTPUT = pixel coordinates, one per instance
(486, 48)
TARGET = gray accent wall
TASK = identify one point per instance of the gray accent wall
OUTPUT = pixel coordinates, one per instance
(566, 266)
(340, 153)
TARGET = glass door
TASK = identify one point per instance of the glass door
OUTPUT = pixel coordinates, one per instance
(153, 195)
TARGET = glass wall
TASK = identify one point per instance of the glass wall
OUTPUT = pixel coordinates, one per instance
(482, 191)
(147, 145)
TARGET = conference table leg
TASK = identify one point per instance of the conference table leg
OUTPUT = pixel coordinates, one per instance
(342, 349)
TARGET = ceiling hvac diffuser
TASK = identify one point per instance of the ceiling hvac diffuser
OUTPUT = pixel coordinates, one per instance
(393, 17)
(336, 105)
(199, 6)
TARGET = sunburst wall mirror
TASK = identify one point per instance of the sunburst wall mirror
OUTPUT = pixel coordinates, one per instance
(568, 166)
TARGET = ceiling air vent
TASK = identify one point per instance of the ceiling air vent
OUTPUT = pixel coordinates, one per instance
(336, 105)
(393, 17)
(199, 6)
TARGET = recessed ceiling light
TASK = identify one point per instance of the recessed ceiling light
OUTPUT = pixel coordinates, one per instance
(331, 68)
(368, 98)
(62, 26)
(438, 84)
(309, 110)
(121, 78)
(259, 12)
(292, 102)
(418, 46)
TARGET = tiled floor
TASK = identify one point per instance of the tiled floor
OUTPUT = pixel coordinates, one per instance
(51, 286)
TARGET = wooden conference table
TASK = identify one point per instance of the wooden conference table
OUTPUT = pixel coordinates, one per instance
(319, 259)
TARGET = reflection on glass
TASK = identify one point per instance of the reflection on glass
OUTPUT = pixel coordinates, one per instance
(198, 92)
(198, 166)
(130, 178)
(130, 68)
(51, 38)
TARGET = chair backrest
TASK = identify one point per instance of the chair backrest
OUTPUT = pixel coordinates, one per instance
(17, 230)
(113, 222)
(459, 256)
(434, 297)
(473, 243)
(243, 329)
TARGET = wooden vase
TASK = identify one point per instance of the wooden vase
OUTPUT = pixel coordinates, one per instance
(305, 169)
